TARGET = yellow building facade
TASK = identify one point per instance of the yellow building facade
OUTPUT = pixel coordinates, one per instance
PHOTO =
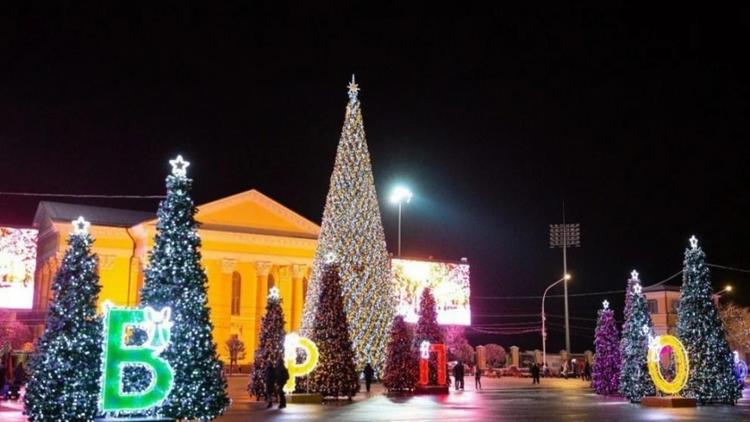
(250, 243)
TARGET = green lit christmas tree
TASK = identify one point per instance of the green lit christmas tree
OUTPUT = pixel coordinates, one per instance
(271, 345)
(66, 368)
(635, 381)
(700, 329)
(401, 360)
(175, 278)
(335, 374)
(352, 231)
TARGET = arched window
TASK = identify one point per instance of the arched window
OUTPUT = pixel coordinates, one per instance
(236, 292)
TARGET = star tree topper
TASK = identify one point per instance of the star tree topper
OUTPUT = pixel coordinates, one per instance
(353, 89)
(80, 226)
(634, 275)
(273, 293)
(605, 304)
(637, 288)
(179, 166)
(693, 242)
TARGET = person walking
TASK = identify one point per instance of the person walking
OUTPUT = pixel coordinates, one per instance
(458, 374)
(477, 378)
(564, 369)
(282, 376)
(534, 373)
(369, 374)
(270, 379)
(448, 375)
(587, 371)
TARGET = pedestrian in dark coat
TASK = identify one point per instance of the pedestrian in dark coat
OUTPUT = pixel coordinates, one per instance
(477, 378)
(270, 379)
(535, 373)
(369, 374)
(282, 376)
(458, 374)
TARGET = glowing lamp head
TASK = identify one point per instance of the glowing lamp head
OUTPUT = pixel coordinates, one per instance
(567, 277)
(728, 288)
(400, 194)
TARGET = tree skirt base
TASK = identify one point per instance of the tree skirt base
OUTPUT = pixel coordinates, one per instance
(668, 402)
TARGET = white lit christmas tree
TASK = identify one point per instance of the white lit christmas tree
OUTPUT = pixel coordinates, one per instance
(635, 381)
(352, 231)
(175, 278)
(66, 368)
(271, 344)
(700, 329)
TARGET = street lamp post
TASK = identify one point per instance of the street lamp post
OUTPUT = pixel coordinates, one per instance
(399, 196)
(565, 278)
(717, 295)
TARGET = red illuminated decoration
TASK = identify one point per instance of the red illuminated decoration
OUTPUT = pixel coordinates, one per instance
(424, 368)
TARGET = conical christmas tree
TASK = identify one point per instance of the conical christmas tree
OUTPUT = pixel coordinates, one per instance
(606, 375)
(401, 360)
(700, 329)
(635, 381)
(428, 330)
(352, 231)
(271, 345)
(335, 374)
(66, 369)
(176, 278)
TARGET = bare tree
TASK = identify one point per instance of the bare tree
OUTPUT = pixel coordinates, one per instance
(236, 349)
(736, 321)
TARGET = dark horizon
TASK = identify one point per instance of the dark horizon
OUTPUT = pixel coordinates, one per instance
(494, 117)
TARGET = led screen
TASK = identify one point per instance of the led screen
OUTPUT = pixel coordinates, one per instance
(17, 264)
(449, 283)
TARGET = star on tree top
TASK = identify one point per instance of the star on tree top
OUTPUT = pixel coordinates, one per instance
(637, 288)
(605, 304)
(634, 275)
(693, 242)
(273, 293)
(179, 166)
(353, 89)
(80, 226)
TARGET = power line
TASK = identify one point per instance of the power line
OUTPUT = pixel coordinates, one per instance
(741, 270)
(81, 195)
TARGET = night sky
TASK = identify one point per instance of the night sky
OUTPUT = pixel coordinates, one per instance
(637, 119)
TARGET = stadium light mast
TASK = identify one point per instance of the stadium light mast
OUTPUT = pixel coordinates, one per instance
(400, 195)
(565, 236)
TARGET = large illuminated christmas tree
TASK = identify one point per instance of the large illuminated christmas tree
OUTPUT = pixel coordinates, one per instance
(606, 375)
(428, 330)
(66, 368)
(271, 345)
(335, 374)
(175, 278)
(701, 331)
(401, 360)
(635, 381)
(352, 231)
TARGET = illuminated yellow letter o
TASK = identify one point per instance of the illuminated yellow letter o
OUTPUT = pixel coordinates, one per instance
(681, 364)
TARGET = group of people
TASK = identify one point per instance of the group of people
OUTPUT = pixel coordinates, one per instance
(11, 379)
(577, 369)
(459, 371)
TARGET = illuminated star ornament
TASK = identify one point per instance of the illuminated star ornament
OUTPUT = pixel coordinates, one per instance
(330, 258)
(179, 166)
(634, 275)
(353, 89)
(273, 293)
(693, 242)
(637, 288)
(605, 304)
(80, 226)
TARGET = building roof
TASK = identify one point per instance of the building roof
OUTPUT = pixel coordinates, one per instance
(662, 288)
(58, 211)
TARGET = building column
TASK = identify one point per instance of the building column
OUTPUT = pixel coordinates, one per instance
(298, 300)
(262, 269)
(284, 283)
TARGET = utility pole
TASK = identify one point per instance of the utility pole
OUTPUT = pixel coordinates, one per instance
(565, 236)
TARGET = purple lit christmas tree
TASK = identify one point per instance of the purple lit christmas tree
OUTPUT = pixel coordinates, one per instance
(606, 375)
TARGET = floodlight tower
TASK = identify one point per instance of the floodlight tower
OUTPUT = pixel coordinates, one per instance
(565, 236)
(400, 195)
